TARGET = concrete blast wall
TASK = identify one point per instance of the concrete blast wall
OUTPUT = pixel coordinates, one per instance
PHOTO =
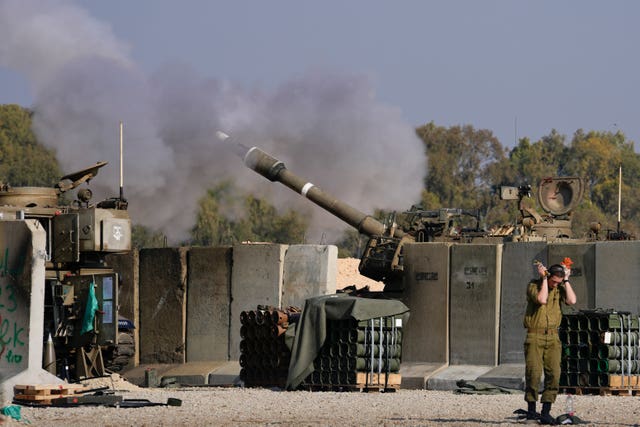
(127, 267)
(475, 304)
(517, 271)
(208, 303)
(22, 275)
(309, 270)
(277, 275)
(426, 334)
(191, 298)
(466, 301)
(617, 273)
(163, 305)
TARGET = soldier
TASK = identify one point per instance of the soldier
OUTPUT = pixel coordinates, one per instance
(542, 348)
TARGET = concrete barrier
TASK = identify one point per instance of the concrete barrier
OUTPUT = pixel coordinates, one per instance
(22, 275)
(583, 272)
(163, 304)
(466, 301)
(309, 271)
(426, 335)
(617, 273)
(517, 271)
(127, 267)
(208, 303)
(256, 279)
(475, 304)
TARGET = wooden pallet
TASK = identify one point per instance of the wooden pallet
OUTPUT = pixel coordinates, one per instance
(43, 394)
(363, 388)
(619, 381)
(601, 391)
(376, 382)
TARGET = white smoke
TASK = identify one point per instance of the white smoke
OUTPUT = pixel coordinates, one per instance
(325, 126)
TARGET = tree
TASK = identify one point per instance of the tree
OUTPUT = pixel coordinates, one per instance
(145, 237)
(263, 223)
(24, 161)
(212, 228)
(598, 157)
(461, 167)
(547, 157)
(224, 219)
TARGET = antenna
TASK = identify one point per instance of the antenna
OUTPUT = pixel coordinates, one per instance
(121, 164)
(619, 195)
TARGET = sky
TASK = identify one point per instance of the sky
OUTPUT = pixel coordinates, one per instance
(346, 81)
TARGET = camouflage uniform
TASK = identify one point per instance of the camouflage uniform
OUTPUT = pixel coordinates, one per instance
(542, 348)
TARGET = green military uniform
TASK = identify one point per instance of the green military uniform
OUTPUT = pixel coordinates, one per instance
(542, 348)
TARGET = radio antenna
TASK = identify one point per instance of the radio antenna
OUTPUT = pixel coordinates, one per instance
(121, 164)
(619, 195)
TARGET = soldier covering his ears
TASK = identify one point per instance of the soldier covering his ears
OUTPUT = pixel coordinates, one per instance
(542, 348)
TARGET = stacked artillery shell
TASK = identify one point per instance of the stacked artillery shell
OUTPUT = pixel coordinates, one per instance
(358, 353)
(600, 349)
(264, 357)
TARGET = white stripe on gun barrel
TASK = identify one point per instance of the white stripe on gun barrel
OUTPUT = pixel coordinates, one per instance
(305, 189)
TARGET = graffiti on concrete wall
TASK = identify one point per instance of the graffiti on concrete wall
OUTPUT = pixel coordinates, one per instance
(14, 306)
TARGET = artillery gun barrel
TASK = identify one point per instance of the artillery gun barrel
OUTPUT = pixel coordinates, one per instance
(275, 170)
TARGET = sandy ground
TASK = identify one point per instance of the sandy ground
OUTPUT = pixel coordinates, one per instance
(348, 275)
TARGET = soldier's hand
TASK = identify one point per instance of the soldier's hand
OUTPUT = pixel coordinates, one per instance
(542, 270)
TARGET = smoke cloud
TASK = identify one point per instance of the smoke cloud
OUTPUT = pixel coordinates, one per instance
(327, 127)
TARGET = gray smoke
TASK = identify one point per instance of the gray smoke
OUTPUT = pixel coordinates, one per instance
(325, 126)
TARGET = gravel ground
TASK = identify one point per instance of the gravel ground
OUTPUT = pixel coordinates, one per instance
(239, 406)
(217, 406)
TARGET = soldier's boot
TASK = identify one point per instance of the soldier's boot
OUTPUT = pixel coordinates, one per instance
(532, 416)
(545, 415)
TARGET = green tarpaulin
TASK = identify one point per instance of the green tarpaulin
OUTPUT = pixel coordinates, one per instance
(311, 330)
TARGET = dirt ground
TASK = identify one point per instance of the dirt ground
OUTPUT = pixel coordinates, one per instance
(348, 275)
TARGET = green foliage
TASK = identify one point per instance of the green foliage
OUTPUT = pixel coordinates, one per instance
(463, 165)
(458, 165)
(23, 161)
(145, 237)
(224, 219)
(212, 228)
(464, 168)
(263, 223)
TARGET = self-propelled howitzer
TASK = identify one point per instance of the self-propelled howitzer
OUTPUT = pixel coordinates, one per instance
(79, 238)
(382, 259)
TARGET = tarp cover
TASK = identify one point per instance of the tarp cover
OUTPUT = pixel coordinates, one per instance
(311, 330)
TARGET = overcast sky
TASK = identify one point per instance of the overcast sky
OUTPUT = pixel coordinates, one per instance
(508, 66)
(333, 88)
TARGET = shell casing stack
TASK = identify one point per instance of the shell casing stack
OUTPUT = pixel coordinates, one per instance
(600, 349)
(359, 353)
(264, 356)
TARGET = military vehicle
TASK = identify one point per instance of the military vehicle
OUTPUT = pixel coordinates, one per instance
(81, 318)
(382, 259)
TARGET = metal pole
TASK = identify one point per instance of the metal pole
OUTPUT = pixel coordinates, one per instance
(619, 195)
(121, 163)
